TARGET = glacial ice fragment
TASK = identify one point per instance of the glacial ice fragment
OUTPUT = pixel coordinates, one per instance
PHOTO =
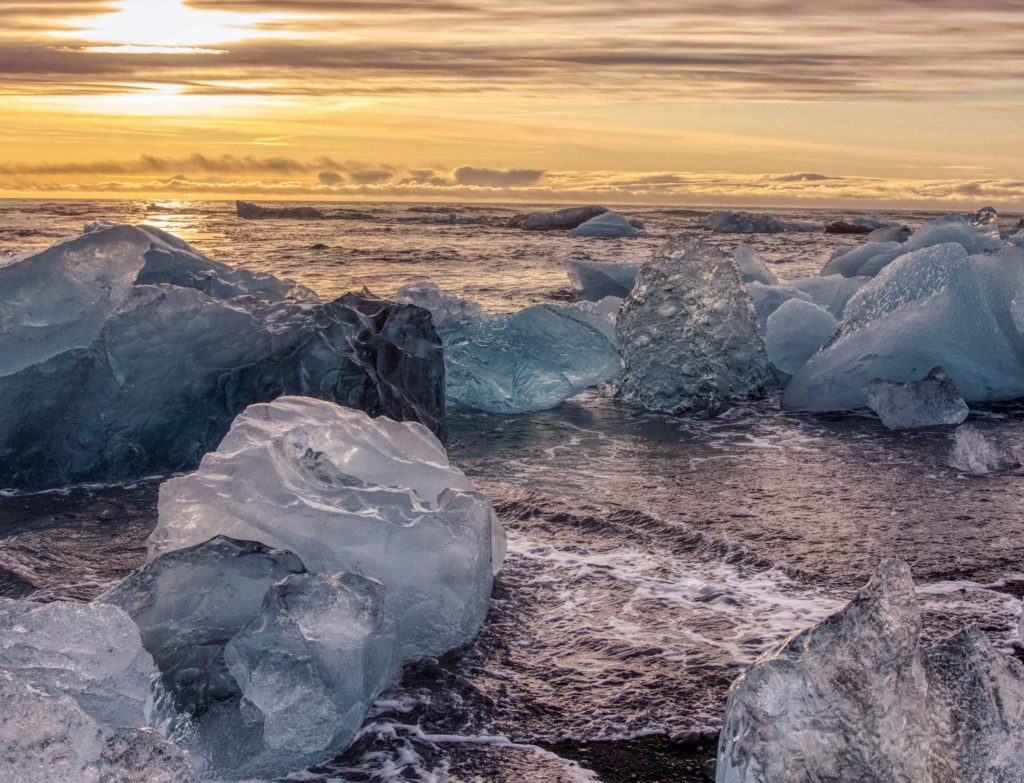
(314, 660)
(928, 308)
(688, 333)
(795, 332)
(831, 292)
(91, 653)
(529, 360)
(929, 402)
(160, 373)
(594, 280)
(249, 211)
(752, 268)
(349, 493)
(558, 220)
(857, 697)
(188, 602)
(769, 298)
(976, 453)
(608, 225)
(45, 735)
(447, 309)
(730, 222)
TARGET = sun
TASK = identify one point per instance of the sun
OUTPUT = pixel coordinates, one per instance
(167, 24)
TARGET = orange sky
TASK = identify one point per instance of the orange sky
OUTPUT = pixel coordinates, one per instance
(864, 103)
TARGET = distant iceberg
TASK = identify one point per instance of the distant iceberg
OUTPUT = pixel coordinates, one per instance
(126, 353)
(249, 211)
(733, 222)
(608, 225)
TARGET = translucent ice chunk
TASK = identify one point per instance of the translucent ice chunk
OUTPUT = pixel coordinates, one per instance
(729, 222)
(688, 333)
(930, 402)
(795, 333)
(769, 298)
(608, 225)
(447, 309)
(594, 280)
(752, 268)
(974, 452)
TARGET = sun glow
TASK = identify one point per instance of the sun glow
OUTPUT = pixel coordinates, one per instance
(168, 24)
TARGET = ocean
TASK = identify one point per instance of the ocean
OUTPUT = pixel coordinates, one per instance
(651, 558)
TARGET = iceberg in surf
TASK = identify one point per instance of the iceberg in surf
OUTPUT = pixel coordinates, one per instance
(688, 333)
(731, 222)
(932, 307)
(976, 453)
(929, 402)
(859, 697)
(345, 492)
(608, 225)
(126, 353)
(558, 220)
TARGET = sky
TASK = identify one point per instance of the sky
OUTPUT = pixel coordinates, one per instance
(864, 103)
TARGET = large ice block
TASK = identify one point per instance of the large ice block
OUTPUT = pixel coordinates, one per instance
(688, 333)
(349, 493)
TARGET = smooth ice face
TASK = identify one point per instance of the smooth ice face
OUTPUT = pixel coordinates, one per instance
(530, 360)
(59, 299)
(831, 292)
(752, 268)
(447, 309)
(594, 280)
(608, 225)
(769, 298)
(855, 261)
(92, 653)
(929, 308)
(857, 698)
(974, 452)
(688, 333)
(349, 493)
(177, 358)
(930, 402)
(189, 602)
(730, 222)
(795, 333)
(314, 660)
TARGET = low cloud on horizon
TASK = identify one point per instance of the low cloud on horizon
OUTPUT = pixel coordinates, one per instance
(230, 176)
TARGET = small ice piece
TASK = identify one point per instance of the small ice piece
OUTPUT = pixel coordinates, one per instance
(346, 492)
(730, 222)
(831, 292)
(314, 660)
(752, 268)
(447, 309)
(608, 225)
(974, 452)
(928, 308)
(858, 697)
(930, 402)
(688, 333)
(90, 652)
(769, 298)
(530, 360)
(594, 280)
(795, 333)
(189, 602)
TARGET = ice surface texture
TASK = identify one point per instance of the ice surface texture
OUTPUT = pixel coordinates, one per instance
(752, 268)
(932, 307)
(729, 222)
(530, 360)
(688, 333)
(349, 493)
(608, 225)
(974, 452)
(930, 402)
(857, 697)
(447, 309)
(145, 377)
